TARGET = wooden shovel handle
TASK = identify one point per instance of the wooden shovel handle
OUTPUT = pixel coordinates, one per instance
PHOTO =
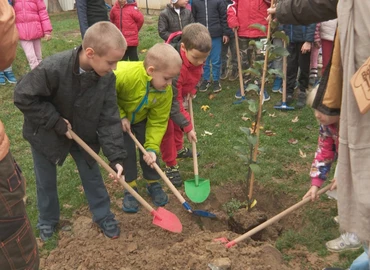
(110, 170)
(284, 73)
(193, 144)
(159, 171)
(274, 219)
(241, 85)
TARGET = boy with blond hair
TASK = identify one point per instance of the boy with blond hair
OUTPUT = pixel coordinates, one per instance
(144, 95)
(74, 89)
(195, 46)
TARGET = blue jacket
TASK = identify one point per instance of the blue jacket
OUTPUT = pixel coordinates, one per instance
(300, 33)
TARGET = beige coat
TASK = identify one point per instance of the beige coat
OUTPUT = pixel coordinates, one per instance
(8, 34)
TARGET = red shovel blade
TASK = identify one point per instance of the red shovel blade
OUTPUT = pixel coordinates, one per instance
(166, 220)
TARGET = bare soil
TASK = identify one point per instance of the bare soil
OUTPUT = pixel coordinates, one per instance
(143, 245)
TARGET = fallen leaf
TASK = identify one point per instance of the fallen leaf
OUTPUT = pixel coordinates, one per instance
(210, 165)
(211, 115)
(211, 96)
(67, 206)
(295, 120)
(293, 141)
(245, 118)
(270, 133)
(272, 115)
(301, 154)
(290, 130)
(144, 50)
(217, 125)
(204, 108)
(208, 133)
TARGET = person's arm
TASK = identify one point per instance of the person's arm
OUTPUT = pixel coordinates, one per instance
(8, 34)
(139, 18)
(81, 6)
(303, 12)
(232, 16)
(163, 27)
(44, 18)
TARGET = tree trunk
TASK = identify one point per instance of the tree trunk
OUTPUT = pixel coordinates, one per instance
(54, 6)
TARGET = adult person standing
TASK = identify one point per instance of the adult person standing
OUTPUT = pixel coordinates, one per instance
(90, 12)
(8, 34)
(336, 95)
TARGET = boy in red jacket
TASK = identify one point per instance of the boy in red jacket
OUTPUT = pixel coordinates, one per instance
(195, 46)
(129, 20)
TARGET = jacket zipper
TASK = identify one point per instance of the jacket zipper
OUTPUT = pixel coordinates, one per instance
(120, 19)
(206, 6)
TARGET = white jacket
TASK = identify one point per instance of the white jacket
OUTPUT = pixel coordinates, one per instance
(327, 29)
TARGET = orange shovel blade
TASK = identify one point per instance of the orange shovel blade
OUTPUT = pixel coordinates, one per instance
(166, 220)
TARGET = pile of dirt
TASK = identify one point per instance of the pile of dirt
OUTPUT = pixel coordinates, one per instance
(143, 245)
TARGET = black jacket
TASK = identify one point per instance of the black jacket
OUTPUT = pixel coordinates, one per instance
(212, 14)
(170, 21)
(56, 89)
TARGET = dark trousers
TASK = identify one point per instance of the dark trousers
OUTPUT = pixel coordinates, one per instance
(18, 248)
(47, 194)
(233, 57)
(131, 54)
(130, 165)
(297, 59)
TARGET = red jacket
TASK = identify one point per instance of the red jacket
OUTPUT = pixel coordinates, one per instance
(243, 13)
(129, 21)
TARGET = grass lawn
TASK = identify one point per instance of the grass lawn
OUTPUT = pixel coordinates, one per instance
(284, 171)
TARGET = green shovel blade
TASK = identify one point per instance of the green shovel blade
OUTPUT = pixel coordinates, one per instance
(197, 189)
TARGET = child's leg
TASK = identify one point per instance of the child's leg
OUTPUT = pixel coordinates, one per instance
(93, 184)
(29, 51)
(361, 262)
(207, 68)
(224, 60)
(327, 48)
(179, 138)
(131, 54)
(304, 65)
(37, 48)
(46, 186)
(216, 58)
(313, 64)
(168, 146)
(245, 52)
(292, 67)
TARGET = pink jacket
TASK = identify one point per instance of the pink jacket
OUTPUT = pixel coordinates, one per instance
(32, 19)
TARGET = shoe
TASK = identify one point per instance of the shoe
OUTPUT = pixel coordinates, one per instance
(336, 219)
(2, 78)
(301, 102)
(46, 231)
(204, 86)
(159, 197)
(233, 75)
(266, 96)
(224, 73)
(277, 85)
(110, 228)
(346, 241)
(130, 204)
(216, 87)
(174, 175)
(185, 153)
(9, 75)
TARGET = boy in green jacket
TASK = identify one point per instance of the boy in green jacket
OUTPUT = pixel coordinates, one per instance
(144, 95)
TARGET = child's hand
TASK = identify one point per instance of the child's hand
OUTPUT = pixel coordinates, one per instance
(192, 136)
(225, 39)
(317, 44)
(150, 158)
(126, 126)
(312, 193)
(117, 176)
(306, 47)
(47, 37)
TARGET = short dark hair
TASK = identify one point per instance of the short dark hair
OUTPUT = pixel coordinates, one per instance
(196, 36)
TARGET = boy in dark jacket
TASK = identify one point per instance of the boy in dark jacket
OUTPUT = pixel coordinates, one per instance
(194, 49)
(299, 47)
(174, 18)
(90, 12)
(212, 14)
(74, 89)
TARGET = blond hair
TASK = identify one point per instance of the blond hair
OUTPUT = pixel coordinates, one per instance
(103, 36)
(162, 57)
(196, 36)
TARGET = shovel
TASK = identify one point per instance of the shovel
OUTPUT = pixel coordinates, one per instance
(162, 217)
(241, 84)
(171, 186)
(270, 221)
(283, 105)
(196, 189)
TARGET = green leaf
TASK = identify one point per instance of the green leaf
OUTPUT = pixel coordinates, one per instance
(245, 130)
(252, 43)
(258, 26)
(252, 86)
(243, 157)
(261, 149)
(280, 51)
(252, 106)
(252, 139)
(259, 45)
(253, 71)
(281, 35)
(274, 71)
(255, 168)
(241, 149)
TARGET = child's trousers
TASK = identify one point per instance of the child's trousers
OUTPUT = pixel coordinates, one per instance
(139, 130)
(233, 56)
(47, 195)
(214, 59)
(172, 142)
(32, 50)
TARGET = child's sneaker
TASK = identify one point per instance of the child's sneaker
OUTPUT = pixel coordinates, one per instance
(301, 102)
(185, 153)
(277, 85)
(110, 228)
(224, 73)
(216, 87)
(9, 75)
(174, 175)
(130, 204)
(345, 241)
(2, 78)
(234, 74)
(159, 197)
(238, 94)
(46, 231)
(204, 86)
(266, 96)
